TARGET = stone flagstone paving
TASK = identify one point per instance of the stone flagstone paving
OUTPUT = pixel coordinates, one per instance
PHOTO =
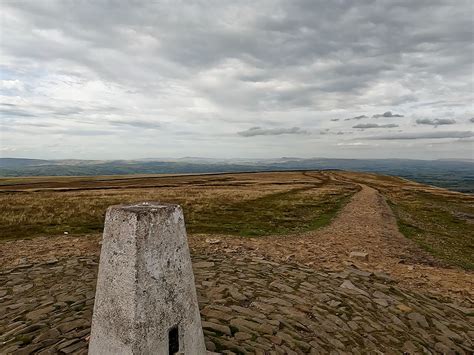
(248, 306)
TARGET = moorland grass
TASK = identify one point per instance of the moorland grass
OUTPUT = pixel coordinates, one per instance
(278, 213)
(438, 226)
(261, 205)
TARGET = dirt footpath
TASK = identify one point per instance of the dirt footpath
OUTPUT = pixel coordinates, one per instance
(365, 225)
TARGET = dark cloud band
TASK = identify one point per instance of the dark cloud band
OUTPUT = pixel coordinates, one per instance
(258, 131)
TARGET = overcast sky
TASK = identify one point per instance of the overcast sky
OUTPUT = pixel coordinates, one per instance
(139, 79)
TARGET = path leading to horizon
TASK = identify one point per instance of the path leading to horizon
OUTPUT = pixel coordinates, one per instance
(365, 225)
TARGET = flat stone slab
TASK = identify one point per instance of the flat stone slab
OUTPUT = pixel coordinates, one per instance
(359, 255)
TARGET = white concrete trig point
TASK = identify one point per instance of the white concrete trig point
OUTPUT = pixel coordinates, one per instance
(146, 297)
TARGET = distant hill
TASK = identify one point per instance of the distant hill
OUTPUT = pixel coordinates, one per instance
(15, 163)
(450, 173)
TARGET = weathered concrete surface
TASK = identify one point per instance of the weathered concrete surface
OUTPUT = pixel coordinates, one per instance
(145, 284)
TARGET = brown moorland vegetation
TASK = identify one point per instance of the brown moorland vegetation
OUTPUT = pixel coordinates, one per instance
(241, 204)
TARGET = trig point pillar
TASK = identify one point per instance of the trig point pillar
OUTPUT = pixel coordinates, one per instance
(146, 298)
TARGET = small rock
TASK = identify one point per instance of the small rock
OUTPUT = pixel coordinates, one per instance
(72, 348)
(236, 294)
(275, 339)
(404, 308)
(213, 241)
(383, 276)
(360, 272)
(281, 286)
(50, 334)
(382, 302)
(210, 346)
(242, 336)
(243, 324)
(419, 318)
(66, 343)
(441, 348)
(203, 264)
(359, 255)
(212, 313)
(216, 327)
(350, 286)
(39, 313)
(409, 347)
(31, 328)
(67, 327)
(22, 288)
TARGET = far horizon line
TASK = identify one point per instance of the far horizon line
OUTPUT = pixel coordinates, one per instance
(234, 158)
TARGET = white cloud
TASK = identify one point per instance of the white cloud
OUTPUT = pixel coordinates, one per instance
(11, 85)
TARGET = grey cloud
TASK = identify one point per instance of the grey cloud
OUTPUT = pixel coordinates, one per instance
(374, 125)
(83, 132)
(425, 135)
(356, 118)
(136, 123)
(472, 119)
(258, 131)
(212, 66)
(127, 45)
(39, 125)
(63, 111)
(9, 113)
(435, 122)
(334, 119)
(386, 114)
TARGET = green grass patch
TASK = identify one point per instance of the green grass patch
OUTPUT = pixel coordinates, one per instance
(434, 224)
(291, 211)
(286, 212)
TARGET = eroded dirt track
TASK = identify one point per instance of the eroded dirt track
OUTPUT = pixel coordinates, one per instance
(365, 224)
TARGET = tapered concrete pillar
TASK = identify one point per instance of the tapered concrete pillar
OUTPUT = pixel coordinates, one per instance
(146, 297)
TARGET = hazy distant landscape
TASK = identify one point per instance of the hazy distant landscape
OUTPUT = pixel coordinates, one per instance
(457, 175)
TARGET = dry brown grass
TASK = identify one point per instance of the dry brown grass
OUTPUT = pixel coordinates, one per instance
(253, 204)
